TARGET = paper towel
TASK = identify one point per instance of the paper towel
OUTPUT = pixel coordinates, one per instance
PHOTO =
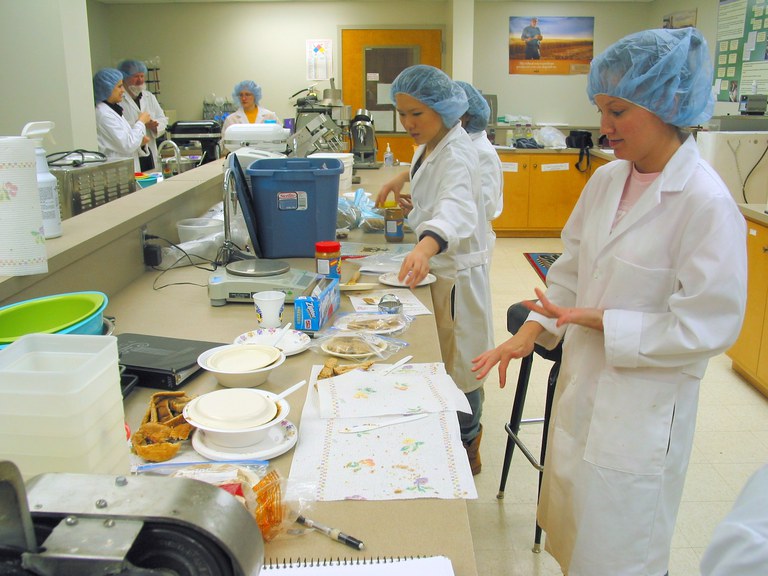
(22, 243)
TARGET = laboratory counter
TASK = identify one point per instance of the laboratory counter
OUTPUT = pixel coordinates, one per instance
(101, 250)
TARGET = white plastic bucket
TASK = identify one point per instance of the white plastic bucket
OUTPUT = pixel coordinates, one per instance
(196, 228)
(347, 159)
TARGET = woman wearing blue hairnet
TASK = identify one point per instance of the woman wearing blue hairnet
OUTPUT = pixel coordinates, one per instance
(117, 138)
(474, 121)
(650, 285)
(248, 93)
(447, 214)
(138, 99)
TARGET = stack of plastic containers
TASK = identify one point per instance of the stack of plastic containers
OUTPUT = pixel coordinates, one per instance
(61, 408)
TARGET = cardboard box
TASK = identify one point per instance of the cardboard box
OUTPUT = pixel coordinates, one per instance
(310, 313)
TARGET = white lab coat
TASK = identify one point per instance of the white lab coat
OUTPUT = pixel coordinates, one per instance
(492, 181)
(116, 138)
(671, 278)
(149, 104)
(447, 200)
(739, 546)
(239, 117)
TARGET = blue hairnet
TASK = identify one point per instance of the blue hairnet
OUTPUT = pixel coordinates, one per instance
(131, 67)
(434, 88)
(104, 81)
(665, 71)
(479, 111)
(247, 86)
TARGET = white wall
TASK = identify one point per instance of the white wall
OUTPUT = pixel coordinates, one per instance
(205, 48)
(548, 99)
(46, 70)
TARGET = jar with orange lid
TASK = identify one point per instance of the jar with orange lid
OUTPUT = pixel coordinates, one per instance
(328, 258)
(393, 222)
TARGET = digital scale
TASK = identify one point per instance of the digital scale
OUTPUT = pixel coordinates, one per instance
(238, 281)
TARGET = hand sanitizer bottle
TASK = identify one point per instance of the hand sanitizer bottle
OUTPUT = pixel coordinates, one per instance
(389, 159)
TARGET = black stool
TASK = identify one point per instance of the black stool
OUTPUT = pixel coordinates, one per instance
(516, 315)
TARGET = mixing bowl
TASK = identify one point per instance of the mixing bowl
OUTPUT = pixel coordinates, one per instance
(70, 313)
(237, 417)
(241, 365)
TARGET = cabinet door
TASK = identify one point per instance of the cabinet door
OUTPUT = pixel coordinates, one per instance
(751, 345)
(555, 186)
(516, 173)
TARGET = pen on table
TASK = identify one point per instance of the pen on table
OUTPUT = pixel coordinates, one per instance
(334, 533)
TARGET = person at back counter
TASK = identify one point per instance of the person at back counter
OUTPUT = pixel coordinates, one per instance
(138, 99)
(248, 93)
(117, 138)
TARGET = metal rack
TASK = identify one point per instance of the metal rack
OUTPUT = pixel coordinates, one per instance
(153, 80)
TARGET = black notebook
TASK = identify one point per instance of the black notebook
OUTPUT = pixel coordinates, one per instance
(160, 361)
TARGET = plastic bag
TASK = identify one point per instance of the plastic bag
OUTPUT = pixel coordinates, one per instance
(550, 137)
(380, 324)
(353, 345)
(260, 490)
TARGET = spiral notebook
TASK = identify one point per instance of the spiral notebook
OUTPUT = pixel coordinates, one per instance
(433, 565)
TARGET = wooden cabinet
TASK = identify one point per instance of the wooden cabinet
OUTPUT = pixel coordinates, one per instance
(540, 191)
(750, 352)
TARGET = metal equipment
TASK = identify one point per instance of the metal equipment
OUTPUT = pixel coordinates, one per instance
(363, 136)
(197, 138)
(328, 117)
(87, 182)
(73, 524)
(753, 104)
(319, 133)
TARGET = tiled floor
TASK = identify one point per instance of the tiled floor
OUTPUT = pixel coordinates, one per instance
(731, 442)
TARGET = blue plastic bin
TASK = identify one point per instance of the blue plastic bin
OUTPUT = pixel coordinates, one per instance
(295, 201)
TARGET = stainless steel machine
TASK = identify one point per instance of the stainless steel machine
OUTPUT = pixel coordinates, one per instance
(363, 136)
(197, 138)
(321, 124)
(73, 524)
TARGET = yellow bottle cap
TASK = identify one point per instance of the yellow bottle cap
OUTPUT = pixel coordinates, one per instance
(390, 204)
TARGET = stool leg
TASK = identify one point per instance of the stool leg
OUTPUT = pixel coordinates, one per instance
(551, 381)
(515, 418)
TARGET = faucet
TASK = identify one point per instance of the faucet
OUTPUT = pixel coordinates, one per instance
(167, 173)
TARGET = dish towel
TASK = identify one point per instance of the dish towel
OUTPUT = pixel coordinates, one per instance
(22, 243)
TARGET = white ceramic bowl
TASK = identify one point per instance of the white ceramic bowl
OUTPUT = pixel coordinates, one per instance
(241, 365)
(237, 417)
(195, 228)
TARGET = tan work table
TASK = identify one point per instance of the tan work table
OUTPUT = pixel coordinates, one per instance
(388, 528)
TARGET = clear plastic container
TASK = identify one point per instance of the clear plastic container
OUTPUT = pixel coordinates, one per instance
(61, 407)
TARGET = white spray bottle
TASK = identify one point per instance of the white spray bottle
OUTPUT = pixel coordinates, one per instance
(46, 182)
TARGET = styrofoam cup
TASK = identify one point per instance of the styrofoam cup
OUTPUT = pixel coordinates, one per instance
(269, 308)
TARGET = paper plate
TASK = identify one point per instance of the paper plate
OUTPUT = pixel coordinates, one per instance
(390, 279)
(359, 287)
(371, 323)
(243, 358)
(279, 440)
(294, 342)
(332, 347)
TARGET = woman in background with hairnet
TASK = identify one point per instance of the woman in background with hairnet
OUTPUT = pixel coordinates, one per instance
(474, 121)
(138, 99)
(447, 214)
(650, 285)
(117, 138)
(248, 93)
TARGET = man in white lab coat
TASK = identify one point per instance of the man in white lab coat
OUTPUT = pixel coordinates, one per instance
(138, 99)
(651, 284)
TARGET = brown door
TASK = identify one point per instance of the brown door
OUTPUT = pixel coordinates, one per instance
(371, 57)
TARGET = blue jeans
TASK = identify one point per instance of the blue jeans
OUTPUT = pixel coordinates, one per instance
(469, 424)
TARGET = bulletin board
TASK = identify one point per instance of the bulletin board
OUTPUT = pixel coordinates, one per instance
(741, 54)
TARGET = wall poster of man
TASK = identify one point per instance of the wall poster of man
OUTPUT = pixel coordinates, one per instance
(550, 44)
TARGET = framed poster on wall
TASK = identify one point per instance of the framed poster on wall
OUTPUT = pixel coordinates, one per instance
(550, 44)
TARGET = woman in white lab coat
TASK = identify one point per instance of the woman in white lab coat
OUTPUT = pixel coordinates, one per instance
(650, 285)
(116, 138)
(138, 99)
(449, 220)
(474, 121)
(248, 93)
